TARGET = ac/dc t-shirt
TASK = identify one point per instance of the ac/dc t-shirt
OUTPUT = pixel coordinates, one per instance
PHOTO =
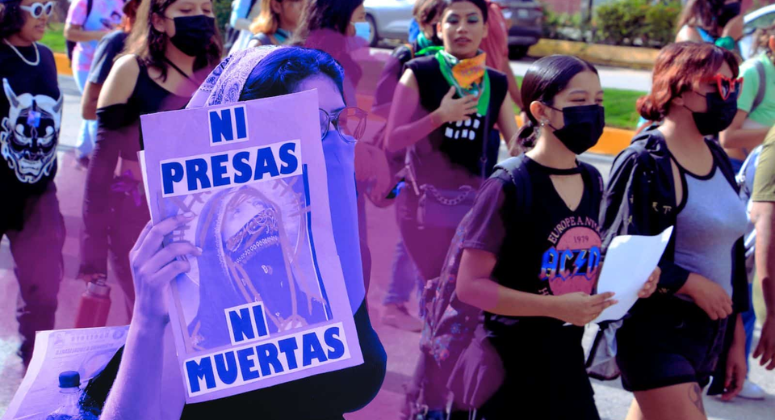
(543, 247)
(30, 118)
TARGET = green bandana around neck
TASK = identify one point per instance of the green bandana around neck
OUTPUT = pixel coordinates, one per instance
(447, 62)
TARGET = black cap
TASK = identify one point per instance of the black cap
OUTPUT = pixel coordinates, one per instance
(69, 379)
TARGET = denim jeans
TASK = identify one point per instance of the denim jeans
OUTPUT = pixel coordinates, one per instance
(88, 132)
(404, 277)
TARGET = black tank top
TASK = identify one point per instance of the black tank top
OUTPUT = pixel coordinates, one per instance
(456, 146)
(122, 121)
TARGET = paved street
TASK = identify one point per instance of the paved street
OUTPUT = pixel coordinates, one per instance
(401, 346)
(610, 77)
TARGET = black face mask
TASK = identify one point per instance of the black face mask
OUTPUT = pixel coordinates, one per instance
(193, 34)
(583, 127)
(719, 115)
(727, 13)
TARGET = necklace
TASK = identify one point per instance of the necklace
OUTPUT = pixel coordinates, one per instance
(37, 54)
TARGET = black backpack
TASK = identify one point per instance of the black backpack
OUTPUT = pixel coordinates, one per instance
(71, 44)
(448, 323)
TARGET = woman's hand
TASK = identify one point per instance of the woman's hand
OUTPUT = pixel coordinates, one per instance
(709, 296)
(766, 347)
(452, 110)
(580, 308)
(154, 266)
(651, 284)
(737, 368)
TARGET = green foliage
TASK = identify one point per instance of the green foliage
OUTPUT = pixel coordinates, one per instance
(222, 10)
(54, 37)
(620, 22)
(638, 22)
(661, 18)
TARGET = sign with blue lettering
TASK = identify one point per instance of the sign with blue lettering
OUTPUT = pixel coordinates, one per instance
(266, 301)
(228, 125)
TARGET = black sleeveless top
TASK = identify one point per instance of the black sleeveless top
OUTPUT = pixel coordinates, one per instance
(454, 147)
(123, 120)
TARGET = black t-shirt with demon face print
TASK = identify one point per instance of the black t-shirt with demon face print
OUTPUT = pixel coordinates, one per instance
(30, 118)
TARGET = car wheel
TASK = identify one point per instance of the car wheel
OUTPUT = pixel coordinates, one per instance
(373, 35)
(517, 52)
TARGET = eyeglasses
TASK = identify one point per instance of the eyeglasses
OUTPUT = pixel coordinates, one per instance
(726, 86)
(38, 9)
(350, 122)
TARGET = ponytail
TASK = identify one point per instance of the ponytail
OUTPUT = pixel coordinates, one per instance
(648, 109)
(527, 134)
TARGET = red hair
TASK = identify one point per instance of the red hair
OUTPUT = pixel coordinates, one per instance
(678, 69)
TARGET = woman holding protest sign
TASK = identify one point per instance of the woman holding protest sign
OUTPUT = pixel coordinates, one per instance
(30, 120)
(148, 384)
(172, 45)
(443, 110)
(671, 344)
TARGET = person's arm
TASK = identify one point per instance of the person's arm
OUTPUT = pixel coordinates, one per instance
(402, 132)
(687, 33)
(475, 288)
(76, 33)
(763, 217)
(137, 392)
(514, 92)
(508, 124)
(91, 94)
(116, 89)
(736, 137)
(736, 368)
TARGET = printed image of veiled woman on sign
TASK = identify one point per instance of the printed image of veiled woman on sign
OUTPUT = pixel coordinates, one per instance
(256, 248)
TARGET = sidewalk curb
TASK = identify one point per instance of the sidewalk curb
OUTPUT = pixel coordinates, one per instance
(63, 64)
(609, 55)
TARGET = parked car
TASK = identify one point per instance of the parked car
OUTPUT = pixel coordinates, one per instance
(389, 19)
(526, 17)
(760, 18)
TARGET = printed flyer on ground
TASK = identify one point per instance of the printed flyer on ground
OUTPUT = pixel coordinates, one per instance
(82, 353)
(266, 302)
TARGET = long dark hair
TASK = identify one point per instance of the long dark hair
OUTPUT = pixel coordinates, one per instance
(151, 45)
(11, 19)
(544, 80)
(325, 14)
(280, 72)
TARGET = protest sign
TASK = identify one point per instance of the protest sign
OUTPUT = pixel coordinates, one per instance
(266, 302)
(86, 351)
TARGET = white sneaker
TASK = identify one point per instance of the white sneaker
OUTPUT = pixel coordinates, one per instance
(751, 391)
(397, 316)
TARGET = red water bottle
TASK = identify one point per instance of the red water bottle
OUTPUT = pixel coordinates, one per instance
(94, 306)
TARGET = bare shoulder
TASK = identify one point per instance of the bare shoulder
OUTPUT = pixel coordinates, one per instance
(688, 33)
(121, 81)
(409, 80)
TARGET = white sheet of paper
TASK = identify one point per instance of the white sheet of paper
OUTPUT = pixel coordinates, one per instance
(629, 262)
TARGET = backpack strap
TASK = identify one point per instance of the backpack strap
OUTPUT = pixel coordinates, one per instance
(762, 86)
(89, 5)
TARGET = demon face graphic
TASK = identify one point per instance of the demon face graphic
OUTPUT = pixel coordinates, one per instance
(28, 135)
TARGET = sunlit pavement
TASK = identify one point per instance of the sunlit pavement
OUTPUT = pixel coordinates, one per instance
(402, 347)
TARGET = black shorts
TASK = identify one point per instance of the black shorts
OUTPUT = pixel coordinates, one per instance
(545, 375)
(668, 341)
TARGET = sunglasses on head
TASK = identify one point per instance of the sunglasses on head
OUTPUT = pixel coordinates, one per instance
(726, 86)
(349, 122)
(38, 9)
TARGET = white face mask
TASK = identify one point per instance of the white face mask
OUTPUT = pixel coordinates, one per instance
(362, 29)
(342, 197)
